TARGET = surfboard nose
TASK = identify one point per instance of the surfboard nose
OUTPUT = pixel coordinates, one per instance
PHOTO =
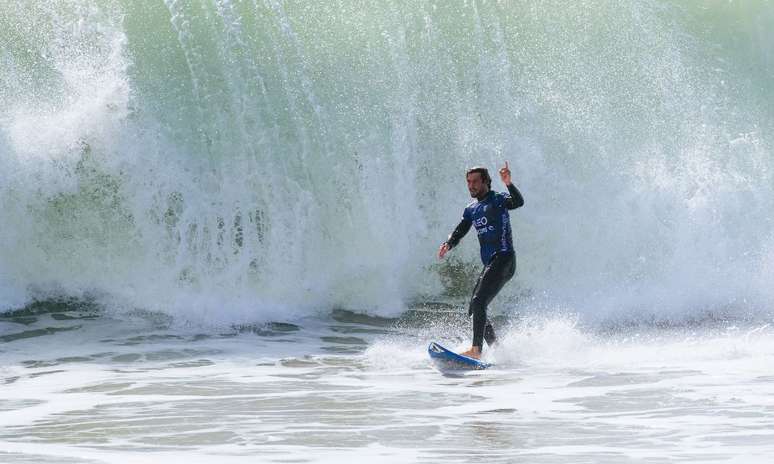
(446, 359)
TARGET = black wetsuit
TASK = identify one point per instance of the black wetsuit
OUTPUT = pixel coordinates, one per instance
(490, 217)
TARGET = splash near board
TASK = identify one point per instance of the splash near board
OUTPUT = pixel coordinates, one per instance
(445, 359)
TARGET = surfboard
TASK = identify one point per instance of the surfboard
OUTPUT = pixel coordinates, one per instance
(445, 359)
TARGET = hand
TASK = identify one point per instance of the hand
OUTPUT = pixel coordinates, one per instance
(443, 250)
(505, 174)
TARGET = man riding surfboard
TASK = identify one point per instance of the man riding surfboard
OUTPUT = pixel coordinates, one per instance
(489, 215)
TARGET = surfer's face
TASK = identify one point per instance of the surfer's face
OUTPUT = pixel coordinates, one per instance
(476, 185)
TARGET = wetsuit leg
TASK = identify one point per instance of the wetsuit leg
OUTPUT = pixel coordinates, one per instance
(492, 279)
(489, 334)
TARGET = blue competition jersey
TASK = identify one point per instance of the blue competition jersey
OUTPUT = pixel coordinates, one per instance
(493, 225)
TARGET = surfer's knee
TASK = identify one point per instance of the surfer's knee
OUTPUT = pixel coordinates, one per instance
(477, 306)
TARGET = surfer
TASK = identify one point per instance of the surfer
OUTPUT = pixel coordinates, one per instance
(489, 215)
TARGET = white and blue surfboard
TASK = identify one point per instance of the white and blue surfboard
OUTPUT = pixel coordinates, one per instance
(446, 360)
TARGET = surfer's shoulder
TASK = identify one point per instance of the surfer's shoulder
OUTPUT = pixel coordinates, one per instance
(500, 197)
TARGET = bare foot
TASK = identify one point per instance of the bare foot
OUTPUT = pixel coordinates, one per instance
(474, 352)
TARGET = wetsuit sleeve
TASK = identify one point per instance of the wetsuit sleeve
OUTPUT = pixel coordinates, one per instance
(515, 200)
(462, 228)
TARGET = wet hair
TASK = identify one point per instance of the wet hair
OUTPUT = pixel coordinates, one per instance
(484, 175)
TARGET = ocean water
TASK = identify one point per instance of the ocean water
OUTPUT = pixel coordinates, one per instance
(85, 387)
(219, 220)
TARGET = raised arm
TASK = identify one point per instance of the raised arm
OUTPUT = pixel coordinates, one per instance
(515, 200)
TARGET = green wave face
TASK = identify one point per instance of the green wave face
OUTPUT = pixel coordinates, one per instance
(242, 160)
